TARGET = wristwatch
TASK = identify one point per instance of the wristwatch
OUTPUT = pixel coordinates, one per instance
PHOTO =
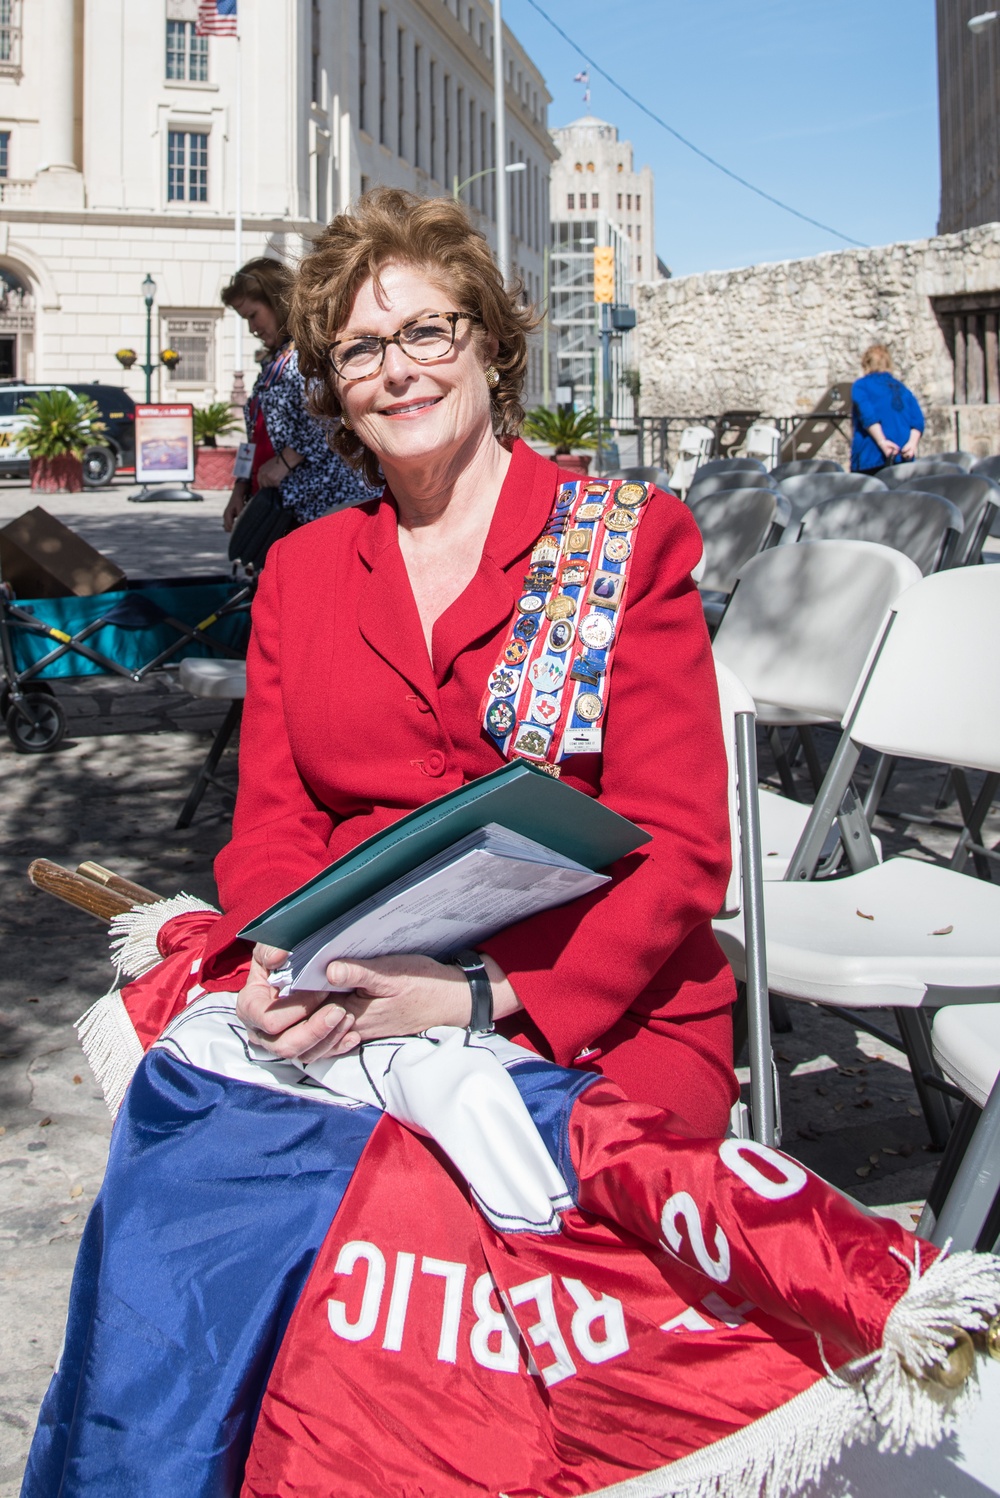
(472, 965)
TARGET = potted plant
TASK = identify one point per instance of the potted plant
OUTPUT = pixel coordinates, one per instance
(170, 358)
(564, 429)
(213, 464)
(58, 428)
(126, 357)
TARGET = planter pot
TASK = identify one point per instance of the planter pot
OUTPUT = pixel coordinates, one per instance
(57, 475)
(574, 462)
(213, 467)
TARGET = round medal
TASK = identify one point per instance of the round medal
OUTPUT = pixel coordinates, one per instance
(531, 602)
(617, 548)
(560, 607)
(515, 652)
(590, 511)
(621, 520)
(503, 683)
(589, 707)
(547, 673)
(526, 628)
(632, 495)
(561, 635)
(500, 719)
(544, 708)
(597, 631)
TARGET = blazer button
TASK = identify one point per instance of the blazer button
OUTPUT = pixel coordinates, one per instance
(419, 703)
(435, 763)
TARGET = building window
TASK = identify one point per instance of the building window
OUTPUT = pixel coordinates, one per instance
(193, 337)
(594, 200)
(619, 202)
(638, 203)
(383, 78)
(638, 265)
(4, 153)
(187, 54)
(628, 201)
(578, 167)
(571, 200)
(971, 326)
(590, 166)
(434, 119)
(315, 93)
(10, 36)
(187, 166)
(400, 94)
(362, 69)
(418, 111)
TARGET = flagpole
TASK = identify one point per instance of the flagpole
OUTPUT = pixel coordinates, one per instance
(500, 131)
(239, 391)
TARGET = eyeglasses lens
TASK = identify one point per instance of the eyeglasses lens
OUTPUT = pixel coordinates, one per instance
(428, 339)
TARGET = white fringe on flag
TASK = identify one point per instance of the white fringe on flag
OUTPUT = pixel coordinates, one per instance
(111, 1046)
(107, 1035)
(871, 1399)
(133, 933)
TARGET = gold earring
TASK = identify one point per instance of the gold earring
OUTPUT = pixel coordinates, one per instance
(345, 423)
(492, 376)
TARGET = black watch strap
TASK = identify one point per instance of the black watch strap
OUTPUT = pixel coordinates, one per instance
(472, 965)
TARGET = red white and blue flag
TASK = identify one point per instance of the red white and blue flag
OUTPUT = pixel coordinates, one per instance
(446, 1267)
(216, 18)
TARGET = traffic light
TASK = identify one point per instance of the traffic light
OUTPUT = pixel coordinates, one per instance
(604, 274)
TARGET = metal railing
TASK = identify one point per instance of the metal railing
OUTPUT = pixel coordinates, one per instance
(658, 437)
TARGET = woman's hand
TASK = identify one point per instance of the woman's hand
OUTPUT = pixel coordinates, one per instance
(271, 473)
(909, 449)
(404, 995)
(305, 1025)
(236, 505)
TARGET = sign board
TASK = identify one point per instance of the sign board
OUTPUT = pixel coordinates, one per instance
(164, 444)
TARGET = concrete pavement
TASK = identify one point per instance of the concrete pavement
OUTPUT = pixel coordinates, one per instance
(112, 793)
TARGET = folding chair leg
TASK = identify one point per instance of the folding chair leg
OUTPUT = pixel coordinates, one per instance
(961, 1134)
(970, 1210)
(973, 815)
(915, 1032)
(788, 786)
(811, 757)
(206, 775)
(882, 774)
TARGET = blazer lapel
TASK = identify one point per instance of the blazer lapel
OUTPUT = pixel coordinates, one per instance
(387, 612)
(523, 507)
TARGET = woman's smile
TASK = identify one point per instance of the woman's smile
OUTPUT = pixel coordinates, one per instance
(411, 408)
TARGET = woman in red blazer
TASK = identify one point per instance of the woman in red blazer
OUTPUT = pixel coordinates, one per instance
(375, 632)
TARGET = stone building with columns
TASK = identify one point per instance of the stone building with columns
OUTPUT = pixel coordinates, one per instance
(119, 149)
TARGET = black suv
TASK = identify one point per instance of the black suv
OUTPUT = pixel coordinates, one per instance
(114, 453)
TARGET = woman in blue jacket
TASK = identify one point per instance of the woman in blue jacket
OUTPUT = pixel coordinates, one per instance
(886, 417)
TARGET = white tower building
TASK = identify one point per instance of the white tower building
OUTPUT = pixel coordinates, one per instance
(119, 157)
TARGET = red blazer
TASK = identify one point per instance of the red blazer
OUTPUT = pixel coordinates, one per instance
(347, 726)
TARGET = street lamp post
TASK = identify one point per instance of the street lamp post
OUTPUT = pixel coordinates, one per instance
(149, 293)
(457, 188)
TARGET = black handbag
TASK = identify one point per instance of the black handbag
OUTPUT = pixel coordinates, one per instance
(262, 522)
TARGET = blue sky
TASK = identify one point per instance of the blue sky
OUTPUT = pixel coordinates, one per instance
(830, 105)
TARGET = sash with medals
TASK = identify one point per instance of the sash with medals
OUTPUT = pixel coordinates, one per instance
(548, 692)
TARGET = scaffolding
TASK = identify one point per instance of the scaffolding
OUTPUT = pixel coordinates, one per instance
(574, 317)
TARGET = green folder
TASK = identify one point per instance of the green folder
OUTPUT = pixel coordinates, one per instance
(517, 796)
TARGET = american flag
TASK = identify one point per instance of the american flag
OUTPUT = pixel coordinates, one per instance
(216, 18)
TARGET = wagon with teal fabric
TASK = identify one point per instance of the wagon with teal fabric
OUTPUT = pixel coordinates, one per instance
(130, 633)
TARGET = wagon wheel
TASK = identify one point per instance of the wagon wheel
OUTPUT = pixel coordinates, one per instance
(36, 723)
(35, 686)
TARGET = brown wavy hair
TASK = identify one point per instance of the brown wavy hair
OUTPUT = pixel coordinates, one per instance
(876, 359)
(263, 280)
(388, 226)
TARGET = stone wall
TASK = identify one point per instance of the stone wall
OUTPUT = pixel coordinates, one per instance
(775, 337)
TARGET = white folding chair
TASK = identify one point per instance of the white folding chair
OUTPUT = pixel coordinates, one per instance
(797, 632)
(695, 446)
(902, 934)
(221, 681)
(744, 899)
(964, 1202)
(925, 527)
(735, 524)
